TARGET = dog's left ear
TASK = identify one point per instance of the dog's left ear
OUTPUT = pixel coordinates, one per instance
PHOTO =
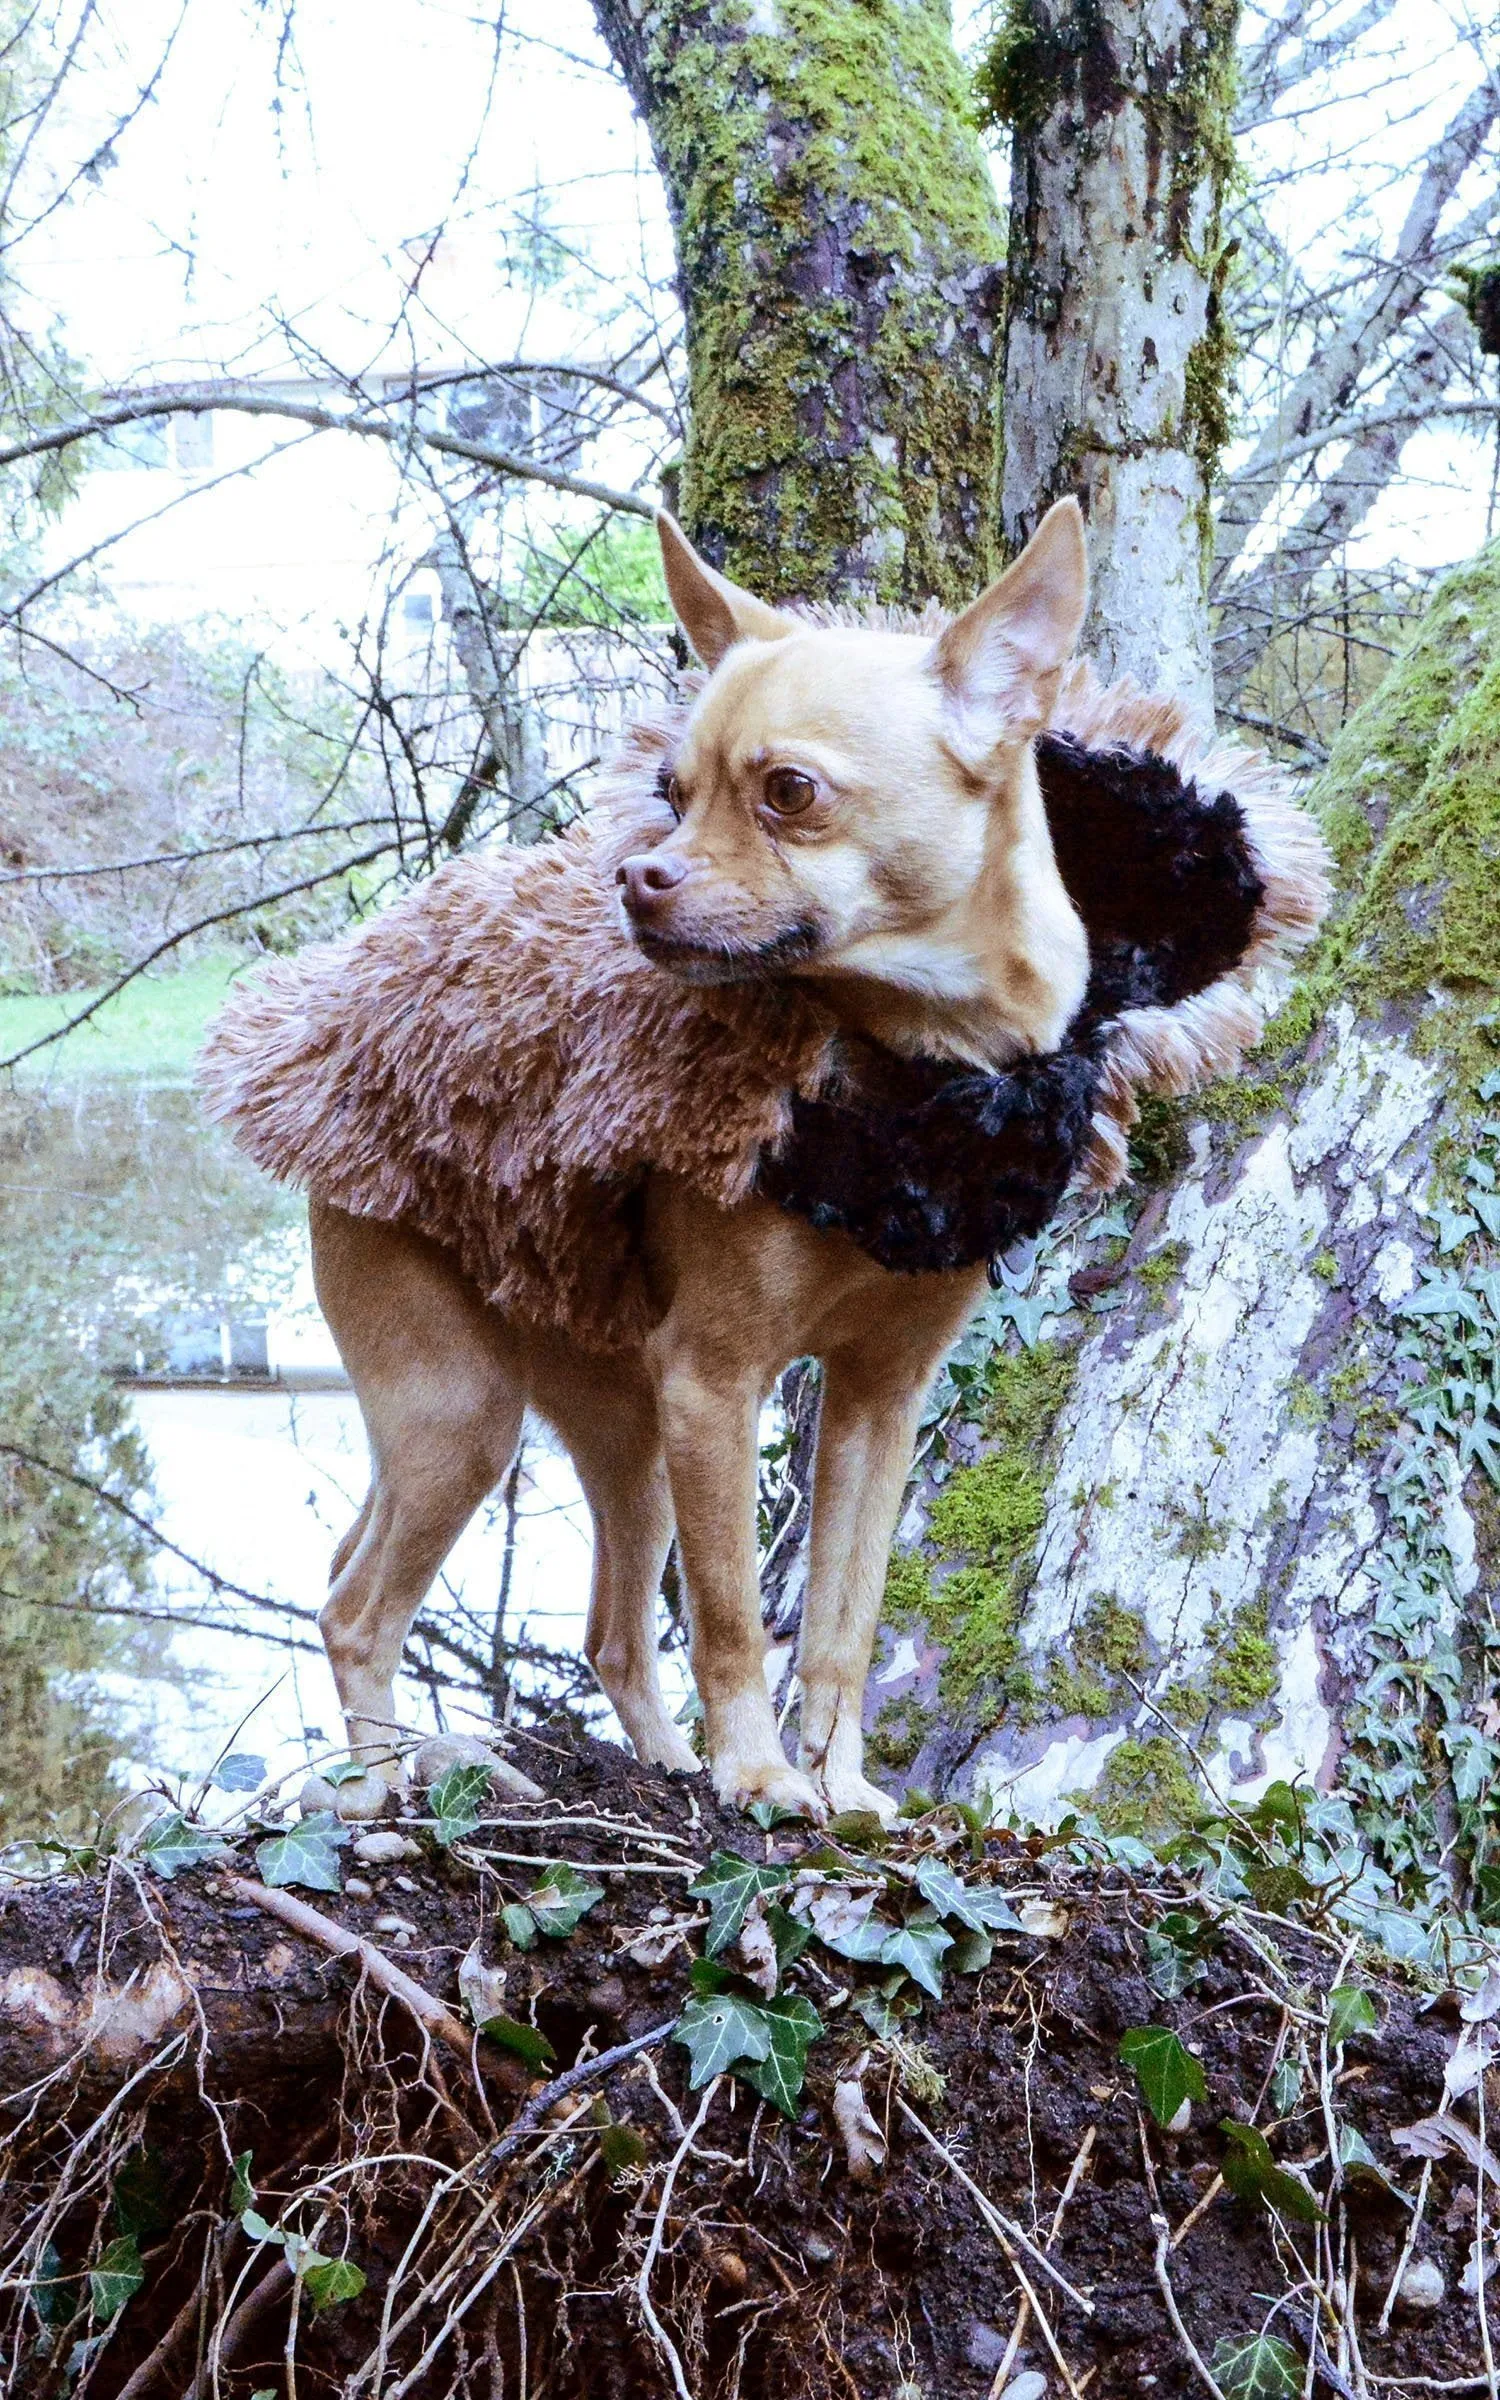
(713, 612)
(1001, 662)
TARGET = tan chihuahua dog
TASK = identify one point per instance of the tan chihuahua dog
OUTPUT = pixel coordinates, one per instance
(859, 809)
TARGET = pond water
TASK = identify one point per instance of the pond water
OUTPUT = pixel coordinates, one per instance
(141, 1250)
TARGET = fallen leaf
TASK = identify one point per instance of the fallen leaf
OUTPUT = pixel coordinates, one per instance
(1430, 2137)
(1043, 1920)
(864, 2143)
(756, 1944)
(481, 1987)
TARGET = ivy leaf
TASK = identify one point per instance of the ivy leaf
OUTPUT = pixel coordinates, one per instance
(1286, 2087)
(256, 2228)
(971, 1954)
(976, 1909)
(524, 2040)
(117, 2277)
(858, 1829)
(561, 1899)
(881, 2015)
(1359, 2161)
(520, 1924)
(768, 1814)
(1350, 2011)
(50, 2294)
(1252, 2174)
(918, 1947)
(717, 2033)
(1166, 2071)
(241, 1771)
(456, 1798)
(794, 2023)
(789, 1934)
(306, 1853)
(729, 1884)
(1170, 1968)
(1261, 2368)
(172, 1843)
(139, 2197)
(241, 2189)
(708, 1978)
(620, 2146)
(327, 2281)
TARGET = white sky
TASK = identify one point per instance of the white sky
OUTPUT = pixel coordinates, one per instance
(257, 190)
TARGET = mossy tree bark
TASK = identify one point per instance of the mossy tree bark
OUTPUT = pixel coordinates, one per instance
(1238, 1503)
(1116, 351)
(838, 252)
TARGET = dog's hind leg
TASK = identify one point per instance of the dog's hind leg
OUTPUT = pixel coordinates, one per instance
(441, 1393)
(610, 1427)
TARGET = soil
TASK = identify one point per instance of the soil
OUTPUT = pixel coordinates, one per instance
(770, 2270)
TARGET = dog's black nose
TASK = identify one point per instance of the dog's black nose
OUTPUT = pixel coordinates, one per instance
(646, 880)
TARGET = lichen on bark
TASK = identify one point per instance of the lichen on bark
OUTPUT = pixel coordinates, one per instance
(838, 254)
(1119, 357)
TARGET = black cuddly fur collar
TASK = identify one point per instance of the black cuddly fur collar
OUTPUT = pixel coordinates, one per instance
(928, 1166)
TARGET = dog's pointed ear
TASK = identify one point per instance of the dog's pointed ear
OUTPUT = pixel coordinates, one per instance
(1001, 662)
(713, 612)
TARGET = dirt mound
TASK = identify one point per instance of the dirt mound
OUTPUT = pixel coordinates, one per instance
(759, 2111)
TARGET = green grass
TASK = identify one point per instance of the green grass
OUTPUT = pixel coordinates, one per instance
(150, 1032)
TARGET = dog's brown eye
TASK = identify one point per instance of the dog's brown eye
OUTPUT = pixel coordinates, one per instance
(789, 792)
(671, 792)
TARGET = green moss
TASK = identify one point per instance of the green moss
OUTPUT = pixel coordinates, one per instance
(1074, 1692)
(1111, 1636)
(1159, 1146)
(1197, 1534)
(987, 1517)
(899, 1731)
(1305, 1404)
(908, 1587)
(1146, 1789)
(850, 124)
(994, 1509)
(1160, 1271)
(1410, 800)
(1242, 1102)
(1327, 1267)
(1245, 1671)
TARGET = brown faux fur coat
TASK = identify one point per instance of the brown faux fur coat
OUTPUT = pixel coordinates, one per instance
(492, 1062)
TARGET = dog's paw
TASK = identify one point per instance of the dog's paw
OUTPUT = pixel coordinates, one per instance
(741, 1785)
(356, 1798)
(847, 1794)
(666, 1747)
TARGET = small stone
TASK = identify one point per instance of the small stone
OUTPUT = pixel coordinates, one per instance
(357, 1888)
(816, 2247)
(984, 2346)
(317, 1796)
(606, 1998)
(444, 1750)
(730, 2269)
(394, 1924)
(403, 1883)
(659, 1916)
(1422, 2288)
(383, 1849)
(1032, 2386)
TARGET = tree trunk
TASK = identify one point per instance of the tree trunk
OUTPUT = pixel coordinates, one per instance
(837, 247)
(1116, 353)
(1232, 1516)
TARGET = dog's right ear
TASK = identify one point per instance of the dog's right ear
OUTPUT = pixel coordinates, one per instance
(1001, 662)
(713, 612)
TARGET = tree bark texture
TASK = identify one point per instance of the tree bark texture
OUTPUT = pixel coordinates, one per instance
(1116, 352)
(1232, 1514)
(838, 249)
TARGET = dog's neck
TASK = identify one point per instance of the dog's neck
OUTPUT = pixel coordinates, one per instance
(998, 976)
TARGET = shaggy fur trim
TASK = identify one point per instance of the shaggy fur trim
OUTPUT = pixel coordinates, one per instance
(493, 1062)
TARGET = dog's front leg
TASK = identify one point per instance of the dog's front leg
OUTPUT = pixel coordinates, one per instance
(866, 1430)
(710, 1423)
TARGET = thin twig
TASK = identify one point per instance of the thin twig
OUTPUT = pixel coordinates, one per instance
(429, 2012)
(1162, 2232)
(1023, 2313)
(993, 2217)
(658, 2331)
